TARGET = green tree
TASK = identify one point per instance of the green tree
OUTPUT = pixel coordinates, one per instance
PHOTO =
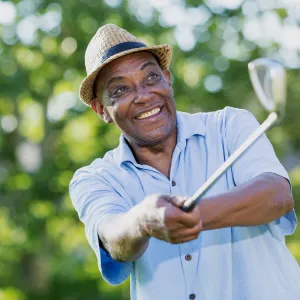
(46, 133)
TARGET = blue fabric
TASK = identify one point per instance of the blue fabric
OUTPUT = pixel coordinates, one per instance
(120, 48)
(238, 263)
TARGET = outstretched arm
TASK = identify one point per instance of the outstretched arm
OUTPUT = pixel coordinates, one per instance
(261, 200)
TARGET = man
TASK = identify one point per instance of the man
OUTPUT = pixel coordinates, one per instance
(231, 246)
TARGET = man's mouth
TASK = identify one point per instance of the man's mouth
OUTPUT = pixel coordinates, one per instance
(149, 113)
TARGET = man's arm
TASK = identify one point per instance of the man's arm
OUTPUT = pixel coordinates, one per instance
(258, 201)
(126, 236)
(122, 235)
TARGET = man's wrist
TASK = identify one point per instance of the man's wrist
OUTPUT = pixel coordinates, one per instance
(141, 216)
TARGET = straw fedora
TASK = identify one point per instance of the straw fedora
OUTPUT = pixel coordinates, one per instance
(111, 42)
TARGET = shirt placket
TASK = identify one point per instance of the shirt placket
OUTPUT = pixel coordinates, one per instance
(189, 257)
(188, 252)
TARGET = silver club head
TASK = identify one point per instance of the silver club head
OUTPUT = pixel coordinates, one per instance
(269, 82)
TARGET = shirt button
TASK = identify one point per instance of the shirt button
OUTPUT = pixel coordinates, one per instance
(173, 183)
(188, 257)
(192, 296)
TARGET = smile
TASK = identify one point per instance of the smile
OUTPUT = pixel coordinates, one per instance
(150, 113)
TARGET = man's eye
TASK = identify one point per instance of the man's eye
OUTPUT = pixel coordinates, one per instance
(120, 91)
(153, 77)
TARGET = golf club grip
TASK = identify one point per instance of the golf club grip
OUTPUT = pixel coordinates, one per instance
(191, 202)
(187, 208)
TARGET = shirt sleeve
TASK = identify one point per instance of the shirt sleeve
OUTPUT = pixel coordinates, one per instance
(94, 199)
(258, 159)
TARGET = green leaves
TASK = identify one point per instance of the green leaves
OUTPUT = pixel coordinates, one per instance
(46, 133)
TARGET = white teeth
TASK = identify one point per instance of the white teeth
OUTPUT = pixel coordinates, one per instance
(149, 113)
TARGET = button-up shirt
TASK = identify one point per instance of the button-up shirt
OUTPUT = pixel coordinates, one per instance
(234, 263)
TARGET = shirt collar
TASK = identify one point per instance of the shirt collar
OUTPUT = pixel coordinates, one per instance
(187, 125)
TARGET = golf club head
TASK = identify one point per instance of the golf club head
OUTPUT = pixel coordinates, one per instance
(269, 82)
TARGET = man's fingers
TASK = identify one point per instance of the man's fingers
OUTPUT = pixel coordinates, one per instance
(189, 238)
(186, 234)
(179, 200)
(175, 215)
(192, 231)
(178, 234)
(184, 239)
(189, 219)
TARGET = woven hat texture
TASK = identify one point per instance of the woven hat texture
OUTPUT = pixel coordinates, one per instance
(109, 43)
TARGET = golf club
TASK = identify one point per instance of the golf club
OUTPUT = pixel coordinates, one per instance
(269, 83)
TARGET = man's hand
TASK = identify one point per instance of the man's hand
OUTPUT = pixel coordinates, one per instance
(126, 236)
(163, 219)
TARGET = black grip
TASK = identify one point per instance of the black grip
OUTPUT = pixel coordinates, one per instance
(187, 208)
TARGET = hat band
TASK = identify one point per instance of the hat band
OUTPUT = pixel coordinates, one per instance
(121, 48)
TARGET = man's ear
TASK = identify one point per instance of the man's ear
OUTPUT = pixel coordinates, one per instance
(167, 75)
(99, 109)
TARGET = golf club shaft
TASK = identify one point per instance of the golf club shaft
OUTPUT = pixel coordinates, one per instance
(191, 202)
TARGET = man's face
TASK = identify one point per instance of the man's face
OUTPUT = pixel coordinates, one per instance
(136, 94)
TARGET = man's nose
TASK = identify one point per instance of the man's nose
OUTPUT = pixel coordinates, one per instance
(142, 94)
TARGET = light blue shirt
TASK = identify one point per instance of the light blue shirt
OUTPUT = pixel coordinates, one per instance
(237, 263)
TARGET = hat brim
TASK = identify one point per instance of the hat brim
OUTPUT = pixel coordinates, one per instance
(162, 52)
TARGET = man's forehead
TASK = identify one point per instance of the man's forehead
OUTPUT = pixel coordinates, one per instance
(121, 66)
(128, 63)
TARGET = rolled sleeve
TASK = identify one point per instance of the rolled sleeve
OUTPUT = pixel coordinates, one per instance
(259, 158)
(94, 199)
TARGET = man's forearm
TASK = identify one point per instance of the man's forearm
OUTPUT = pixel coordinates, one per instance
(259, 201)
(122, 236)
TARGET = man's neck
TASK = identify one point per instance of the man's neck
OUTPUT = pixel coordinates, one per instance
(157, 156)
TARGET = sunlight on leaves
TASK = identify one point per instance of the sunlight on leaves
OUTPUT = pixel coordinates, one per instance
(11, 293)
(41, 209)
(32, 122)
(29, 59)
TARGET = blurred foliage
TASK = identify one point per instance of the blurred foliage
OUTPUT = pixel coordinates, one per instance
(46, 133)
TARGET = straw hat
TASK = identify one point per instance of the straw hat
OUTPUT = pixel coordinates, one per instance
(111, 42)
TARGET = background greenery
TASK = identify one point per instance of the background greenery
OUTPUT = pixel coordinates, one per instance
(46, 133)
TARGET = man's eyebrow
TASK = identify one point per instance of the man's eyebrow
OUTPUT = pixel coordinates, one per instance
(118, 78)
(149, 63)
(113, 79)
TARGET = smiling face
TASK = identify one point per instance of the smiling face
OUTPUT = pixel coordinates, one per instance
(136, 94)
